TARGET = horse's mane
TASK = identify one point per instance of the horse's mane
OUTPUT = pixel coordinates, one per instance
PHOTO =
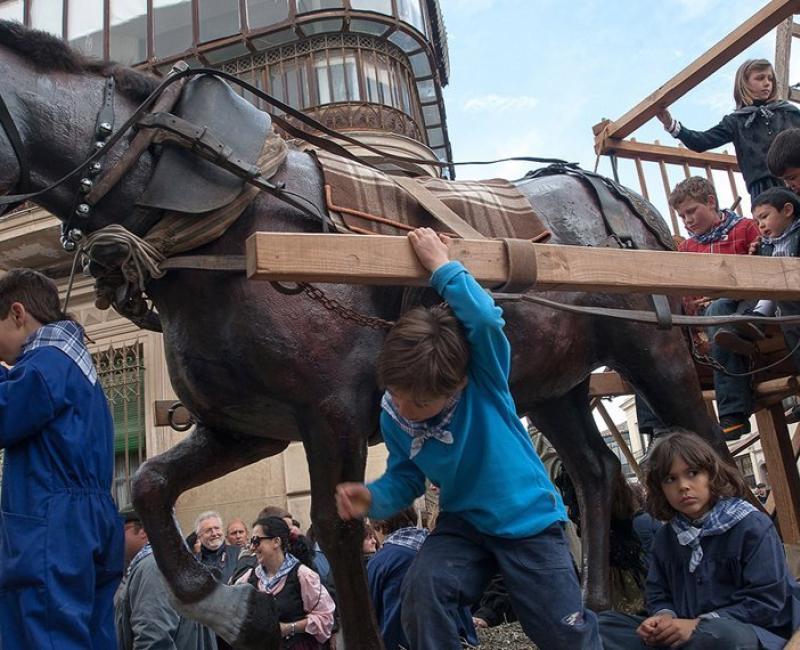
(48, 53)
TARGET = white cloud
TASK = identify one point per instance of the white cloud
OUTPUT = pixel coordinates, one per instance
(500, 103)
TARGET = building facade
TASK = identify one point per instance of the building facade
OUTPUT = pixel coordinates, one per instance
(373, 68)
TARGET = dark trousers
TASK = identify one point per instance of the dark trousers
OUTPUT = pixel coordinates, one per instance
(618, 632)
(733, 393)
(456, 563)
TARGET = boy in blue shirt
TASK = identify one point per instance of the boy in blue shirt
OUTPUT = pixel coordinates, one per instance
(448, 415)
(61, 539)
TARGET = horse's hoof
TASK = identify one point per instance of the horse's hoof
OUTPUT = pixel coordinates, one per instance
(245, 618)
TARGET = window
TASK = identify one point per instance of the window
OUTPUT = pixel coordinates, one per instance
(172, 27)
(127, 40)
(305, 6)
(218, 18)
(262, 13)
(121, 373)
(410, 11)
(745, 465)
(333, 69)
(337, 78)
(47, 16)
(85, 26)
(380, 6)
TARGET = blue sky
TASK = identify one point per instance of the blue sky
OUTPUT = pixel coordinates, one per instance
(531, 77)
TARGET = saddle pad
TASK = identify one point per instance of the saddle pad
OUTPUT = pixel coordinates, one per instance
(355, 192)
(184, 182)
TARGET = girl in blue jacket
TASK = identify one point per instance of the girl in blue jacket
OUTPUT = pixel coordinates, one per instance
(61, 538)
(718, 578)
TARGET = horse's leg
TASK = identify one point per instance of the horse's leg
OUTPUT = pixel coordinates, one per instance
(661, 368)
(243, 618)
(336, 449)
(568, 424)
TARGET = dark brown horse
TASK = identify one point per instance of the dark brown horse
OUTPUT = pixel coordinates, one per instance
(259, 369)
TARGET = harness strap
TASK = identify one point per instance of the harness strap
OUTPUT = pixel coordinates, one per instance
(141, 141)
(522, 268)
(663, 311)
(14, 138)
(206, 263)
(436, 208)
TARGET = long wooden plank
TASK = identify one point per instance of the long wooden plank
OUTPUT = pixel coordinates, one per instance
(783, 476)
(737, 41)
(386, 260)
(671, 155)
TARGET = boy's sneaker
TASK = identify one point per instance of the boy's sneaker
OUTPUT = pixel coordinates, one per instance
(734, 426)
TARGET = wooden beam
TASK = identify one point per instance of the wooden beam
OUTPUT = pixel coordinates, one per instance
(783, 49)
(615, 433)
(701, 68)
(745, 444)
(608, 384)
(671, 155)
(390, 260)
(782, 468)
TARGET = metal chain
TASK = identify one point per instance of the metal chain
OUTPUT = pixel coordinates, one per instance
(705, 360)
(318, 295)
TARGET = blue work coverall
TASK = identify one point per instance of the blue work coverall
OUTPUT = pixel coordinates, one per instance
(61, 538)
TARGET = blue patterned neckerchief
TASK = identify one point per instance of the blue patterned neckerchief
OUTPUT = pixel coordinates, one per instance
(141, 555)
(781, 241)
(410, 537)
(765, 110)
(725, 514)
(720, 230)
(67, 336)
(289, 563)
(427, 429)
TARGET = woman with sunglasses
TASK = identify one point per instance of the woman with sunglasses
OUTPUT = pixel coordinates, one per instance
(305, 608)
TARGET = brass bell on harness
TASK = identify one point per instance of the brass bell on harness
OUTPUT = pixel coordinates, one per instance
(75, 234)
(83, 210)
(85, 185)
(68, 245)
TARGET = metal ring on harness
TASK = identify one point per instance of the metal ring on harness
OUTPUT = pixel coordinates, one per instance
(171, 418)
(288, 289)
(522, 267)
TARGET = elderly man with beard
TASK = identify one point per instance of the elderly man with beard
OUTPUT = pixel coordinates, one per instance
(214, 552)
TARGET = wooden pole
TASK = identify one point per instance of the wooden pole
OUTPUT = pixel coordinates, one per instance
(783, 476)
(614, 431)
(390, 260)
(701, 68)
(657, 152)
(667, 191)
(783, 50)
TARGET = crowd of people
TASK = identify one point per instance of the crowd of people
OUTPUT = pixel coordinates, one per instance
(710, 564)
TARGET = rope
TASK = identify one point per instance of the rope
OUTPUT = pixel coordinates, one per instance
(143, 260)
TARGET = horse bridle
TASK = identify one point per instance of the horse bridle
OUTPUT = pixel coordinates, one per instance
(23, 184)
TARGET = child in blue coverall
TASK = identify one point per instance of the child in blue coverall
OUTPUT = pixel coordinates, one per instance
(448, 415)
(61, 538)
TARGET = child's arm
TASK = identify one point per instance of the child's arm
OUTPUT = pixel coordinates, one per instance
(397, 488)
(716, 136)
(472, 305)
(657, 590)
(26, 404)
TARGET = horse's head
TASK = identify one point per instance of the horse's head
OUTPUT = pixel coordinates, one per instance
(55, 98)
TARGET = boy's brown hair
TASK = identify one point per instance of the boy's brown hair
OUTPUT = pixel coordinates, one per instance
(425, 354)
(406, 518)
(784, 152)
(724, 480)
(741, 94)
(37, 292)
(694, 187)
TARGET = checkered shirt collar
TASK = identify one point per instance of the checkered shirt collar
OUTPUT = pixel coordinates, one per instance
(67, 336)
(411, 537)
(420, 432)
